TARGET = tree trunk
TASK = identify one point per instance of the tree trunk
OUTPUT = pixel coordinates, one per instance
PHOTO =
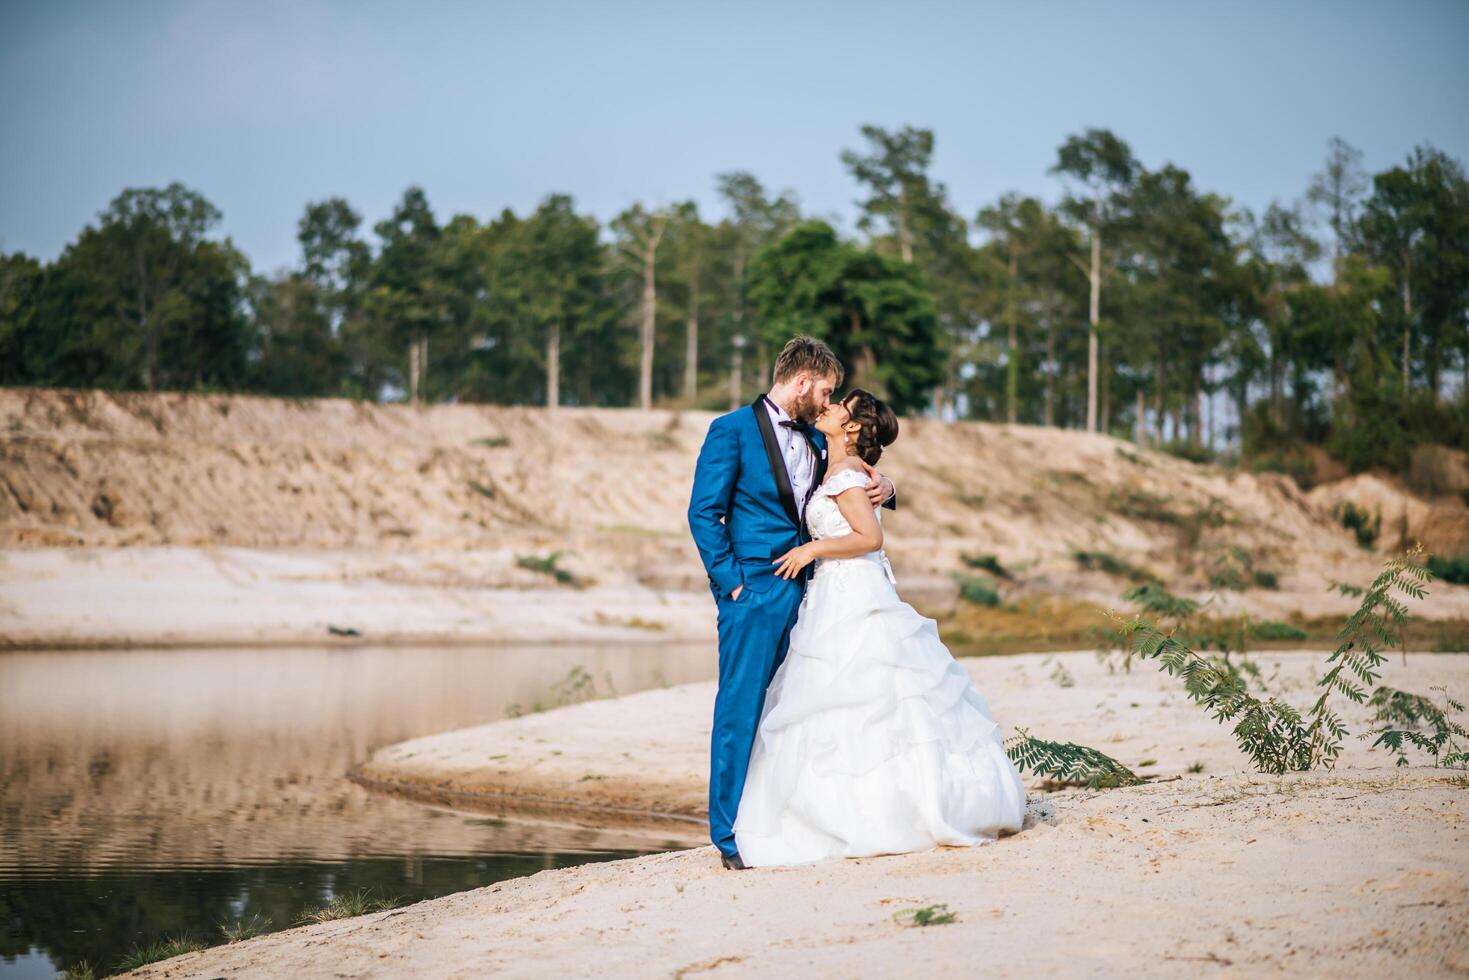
(905, 236)
(691, 347)
(1050, 373)
(413, 371)
(863, 361)
(736, 370)
(1012, 366)
(1196, 410)
(650, 313)
(553, 366)
(1158, 402)
(1104, 412)
(1091, 340)
(1140, 417)
(1407, 318)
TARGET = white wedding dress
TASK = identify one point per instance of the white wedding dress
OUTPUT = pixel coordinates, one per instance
(872, 739)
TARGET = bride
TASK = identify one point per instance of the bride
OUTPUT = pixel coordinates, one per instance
(871, 739)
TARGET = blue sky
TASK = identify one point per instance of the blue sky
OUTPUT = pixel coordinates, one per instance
(264, 106)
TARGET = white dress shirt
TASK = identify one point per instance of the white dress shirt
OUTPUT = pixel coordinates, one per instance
(795, 450)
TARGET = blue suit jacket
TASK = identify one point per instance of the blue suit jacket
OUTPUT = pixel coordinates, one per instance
(742, 511)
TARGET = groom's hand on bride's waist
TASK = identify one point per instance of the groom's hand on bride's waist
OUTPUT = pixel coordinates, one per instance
(736, 593)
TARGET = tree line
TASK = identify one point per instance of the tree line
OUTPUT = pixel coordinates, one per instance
(1135, 305)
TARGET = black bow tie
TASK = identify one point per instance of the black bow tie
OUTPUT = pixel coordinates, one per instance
(791, 425)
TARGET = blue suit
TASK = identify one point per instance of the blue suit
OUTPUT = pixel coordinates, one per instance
(743, 516)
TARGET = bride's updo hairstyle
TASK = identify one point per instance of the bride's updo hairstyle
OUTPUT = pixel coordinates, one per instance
(878, 421)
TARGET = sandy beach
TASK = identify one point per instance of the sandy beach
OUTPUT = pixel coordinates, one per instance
(1360, 871)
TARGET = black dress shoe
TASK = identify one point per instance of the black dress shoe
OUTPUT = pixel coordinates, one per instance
(733, 863)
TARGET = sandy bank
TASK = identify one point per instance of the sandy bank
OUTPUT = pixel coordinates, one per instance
(649, 751)
(98, 598)
(1359, 872)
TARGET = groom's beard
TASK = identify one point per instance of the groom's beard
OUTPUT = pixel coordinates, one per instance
(804, 409)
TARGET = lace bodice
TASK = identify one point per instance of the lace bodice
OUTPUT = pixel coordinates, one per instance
(824, 519)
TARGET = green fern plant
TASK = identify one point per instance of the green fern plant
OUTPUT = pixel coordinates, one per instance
(1355, 663)
(1067, 762)
(1277, 737)
(1412, 719)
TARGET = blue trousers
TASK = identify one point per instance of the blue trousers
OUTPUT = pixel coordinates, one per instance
(754, 631)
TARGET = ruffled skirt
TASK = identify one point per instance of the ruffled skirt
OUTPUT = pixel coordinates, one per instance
(872, 740)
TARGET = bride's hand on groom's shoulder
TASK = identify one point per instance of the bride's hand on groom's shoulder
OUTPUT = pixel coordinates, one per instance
(789, 565)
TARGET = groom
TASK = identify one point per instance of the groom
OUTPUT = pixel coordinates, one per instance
(756, 471)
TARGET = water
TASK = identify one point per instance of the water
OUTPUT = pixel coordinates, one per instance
(153, 794)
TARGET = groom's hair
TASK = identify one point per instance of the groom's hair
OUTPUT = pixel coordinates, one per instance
(809, 355)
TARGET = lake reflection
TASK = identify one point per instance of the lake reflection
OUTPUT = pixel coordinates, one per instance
(151, 793)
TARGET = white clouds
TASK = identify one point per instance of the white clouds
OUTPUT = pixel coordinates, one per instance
(277, 62)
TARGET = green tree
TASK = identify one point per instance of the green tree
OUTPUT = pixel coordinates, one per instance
(1103, 168)
(638, 233)
(20, 285)
(873, 311)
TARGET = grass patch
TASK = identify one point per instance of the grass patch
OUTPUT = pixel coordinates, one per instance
(242, 929)
(1276, 630)
(978, 591)
(1131, 457)
(483, 490)
(80, 971)
(986, 563)
(348, 905)
(1038, 623)
(929, 915)
(1101, 561)
(1183, 449)
(577, 686)
(548, 566)
(163, 949)
(491, 442)
(630, 622)
(485, 822)
(1197, 767)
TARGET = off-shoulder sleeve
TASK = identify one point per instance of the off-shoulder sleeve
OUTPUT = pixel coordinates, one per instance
(845, 480)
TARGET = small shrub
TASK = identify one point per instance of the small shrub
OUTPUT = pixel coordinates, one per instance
(1145, 506)
(1365, 526)
(979, 591)
(987, 563)
(1196, 767)
(1450, 568)
(79, 971)
(931, 915)
(483, 490)
(1264, 579)
(164, 949)
(577, 686)
(491, 442)
(1415, 720)
(1155, 599)
(1059, 673)
(547, 566)
(1111, 565)
(1274, 630)
(1184, 449)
